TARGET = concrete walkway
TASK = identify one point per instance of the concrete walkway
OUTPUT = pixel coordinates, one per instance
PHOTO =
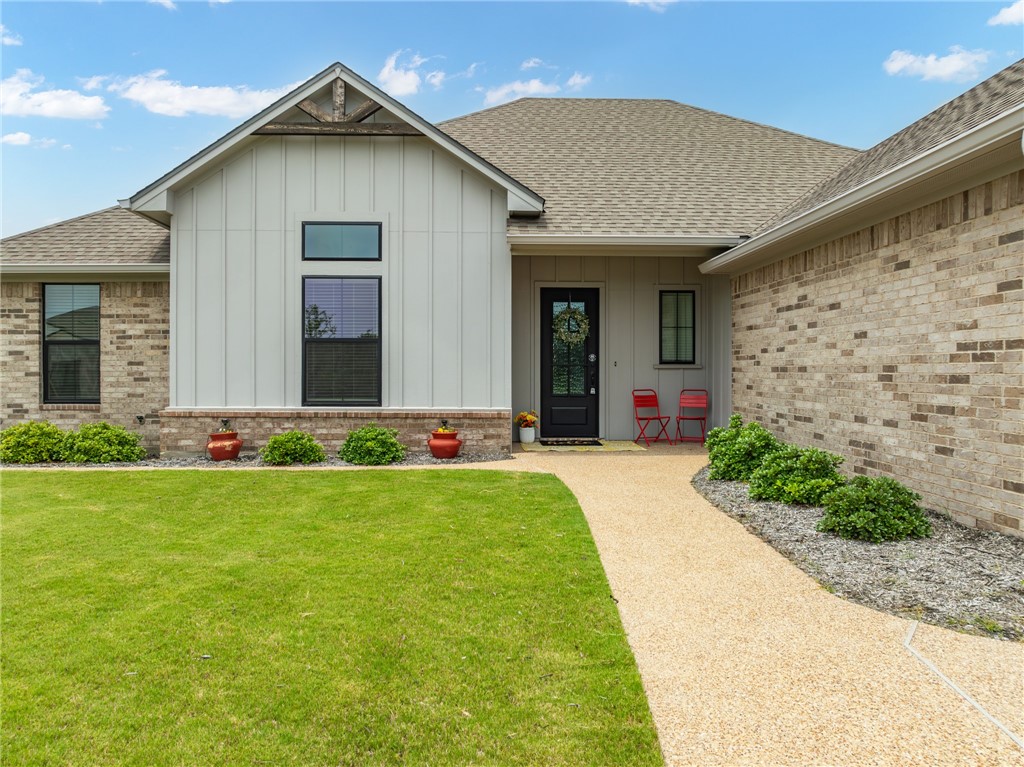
(747, 661)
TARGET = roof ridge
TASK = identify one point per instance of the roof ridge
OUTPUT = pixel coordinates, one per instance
(59, 223)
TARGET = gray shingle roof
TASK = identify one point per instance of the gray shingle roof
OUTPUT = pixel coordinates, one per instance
(635, 166)
(986, 100)
(109, 236)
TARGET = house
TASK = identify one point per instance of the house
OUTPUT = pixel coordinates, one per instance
(337, 259)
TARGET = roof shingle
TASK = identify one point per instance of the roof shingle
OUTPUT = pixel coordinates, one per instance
(112, 236)
(646, 167)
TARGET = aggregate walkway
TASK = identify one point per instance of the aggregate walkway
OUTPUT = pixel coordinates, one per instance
(747, 661)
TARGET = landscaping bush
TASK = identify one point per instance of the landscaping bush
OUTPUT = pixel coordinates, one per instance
(793, 475)
(31, 442)
(292, 447)
(372, 445)
(874, 509)
(737, 450)
(102, 443)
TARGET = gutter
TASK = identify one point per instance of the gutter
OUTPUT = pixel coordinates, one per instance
(681, 240)
(916, 169)
(84, 269)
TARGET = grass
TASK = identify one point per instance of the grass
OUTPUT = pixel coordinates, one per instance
(342, 618)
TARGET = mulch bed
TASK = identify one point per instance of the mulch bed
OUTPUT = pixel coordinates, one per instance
(962, 578)
(252, 460)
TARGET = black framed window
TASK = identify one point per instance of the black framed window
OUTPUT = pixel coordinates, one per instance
(341, 241)
(341, 347)
(71, 344)
(677, 327)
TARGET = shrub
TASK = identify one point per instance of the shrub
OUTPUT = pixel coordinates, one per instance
(874, 509)
(292, 447)
(102, 443)
(372, 445)
(736, 451)
(792, 475)
(31, 442)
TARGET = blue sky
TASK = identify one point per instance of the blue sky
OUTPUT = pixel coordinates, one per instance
(101, 98)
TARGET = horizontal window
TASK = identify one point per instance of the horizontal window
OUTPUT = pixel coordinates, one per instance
(341, 341)
(71, 344)
(677, 323)
(341, 241)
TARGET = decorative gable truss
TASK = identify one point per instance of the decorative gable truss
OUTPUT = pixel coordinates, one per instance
(332, 120)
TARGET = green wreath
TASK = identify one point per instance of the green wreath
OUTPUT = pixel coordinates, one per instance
(571, 326)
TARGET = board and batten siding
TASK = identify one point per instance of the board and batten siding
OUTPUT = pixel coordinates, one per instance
(237, 272)
(628, 341)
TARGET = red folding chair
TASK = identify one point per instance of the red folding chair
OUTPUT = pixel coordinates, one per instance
(693, 406)
(646, 412)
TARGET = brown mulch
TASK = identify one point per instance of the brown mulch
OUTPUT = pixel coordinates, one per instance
(961, 578)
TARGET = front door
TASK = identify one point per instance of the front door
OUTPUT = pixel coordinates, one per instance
(568, 362)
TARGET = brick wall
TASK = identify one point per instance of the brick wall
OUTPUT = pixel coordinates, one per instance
(133, 358)
(899, 346)
(186, 432)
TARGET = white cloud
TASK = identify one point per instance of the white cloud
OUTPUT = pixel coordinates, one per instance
(531, 63)
(959, 65)
(398, 81)
(25, 139)
(578, 81)
(1010, 15)
(168, 4)
(517, 90)
(17, 99)
(658, 6)
(92, 83)
(168, 97)
(17, 139)
(436, 79)
(7, 37)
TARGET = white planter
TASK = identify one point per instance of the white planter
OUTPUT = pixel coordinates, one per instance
(527, 434)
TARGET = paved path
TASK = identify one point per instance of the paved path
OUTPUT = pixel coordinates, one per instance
(747, 661)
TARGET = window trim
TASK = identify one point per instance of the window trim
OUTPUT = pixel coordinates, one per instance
(380, 240)
(45, 372)
(693, 324)
(380, 338)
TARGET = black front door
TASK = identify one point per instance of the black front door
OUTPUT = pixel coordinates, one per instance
(568, 362)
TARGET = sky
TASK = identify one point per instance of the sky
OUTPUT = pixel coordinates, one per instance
(99, 99)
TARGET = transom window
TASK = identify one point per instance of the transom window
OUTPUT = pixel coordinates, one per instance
(71, 344)
(341, 347)
(677, 323)
(341, 241)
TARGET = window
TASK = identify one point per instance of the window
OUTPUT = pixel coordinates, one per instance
(71, 344)
(677, 327)
(341, 351)
(333, 241)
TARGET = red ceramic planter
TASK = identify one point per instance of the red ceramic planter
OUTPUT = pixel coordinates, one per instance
(224, 445)
(444, 444)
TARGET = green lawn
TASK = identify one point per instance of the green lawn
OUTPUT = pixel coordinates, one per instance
(313, 618)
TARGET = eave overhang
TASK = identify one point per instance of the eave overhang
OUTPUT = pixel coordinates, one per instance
(994, 146)
(691, 245)
(153, 201)
(85, 270)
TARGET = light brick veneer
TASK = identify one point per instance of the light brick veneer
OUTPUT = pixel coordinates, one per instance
(186, 432)
(899, 346)
(133, 358)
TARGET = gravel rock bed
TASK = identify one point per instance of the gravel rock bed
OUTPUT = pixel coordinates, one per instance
(963, 578)
(252, 460)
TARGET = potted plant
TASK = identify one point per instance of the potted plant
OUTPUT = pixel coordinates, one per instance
(444, 442)
(224, 444)
(527, 423)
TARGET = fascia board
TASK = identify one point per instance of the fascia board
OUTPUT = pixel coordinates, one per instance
(58, 269)
(687, 240)
(988, 134)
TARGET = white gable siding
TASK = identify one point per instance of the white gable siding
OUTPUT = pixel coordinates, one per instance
(237, 272)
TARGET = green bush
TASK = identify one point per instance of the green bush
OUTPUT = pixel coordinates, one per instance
(292, 447)
(793, 475)
(874, 509)
(737, 450)
(372, 445)
(102, 443)
(31, 442)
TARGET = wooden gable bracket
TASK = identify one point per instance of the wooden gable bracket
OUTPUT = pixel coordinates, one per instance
(336, 122)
